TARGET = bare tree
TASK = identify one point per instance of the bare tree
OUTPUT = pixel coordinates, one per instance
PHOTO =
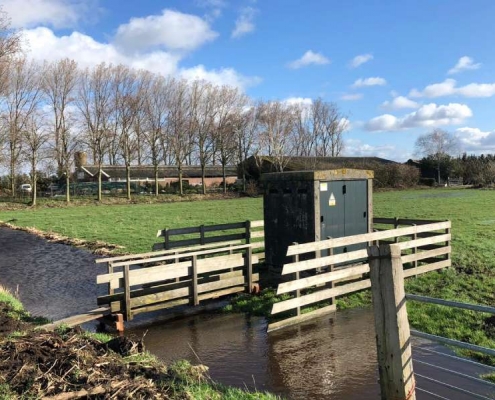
(329, 126)
(247, 134)
(21, 97)
(156, 105)
(94, 104)
(229, 105)
(59, 85)
(277, 129)
(437, 144)
(124, 99)
(10, 45)
(35, 136)
(203, 114)
(177, 127)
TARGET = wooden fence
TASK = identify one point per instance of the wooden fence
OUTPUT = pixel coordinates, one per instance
(315, 280)
(152, 281)
(233, 233)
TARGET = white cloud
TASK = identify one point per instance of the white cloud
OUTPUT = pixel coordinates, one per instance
(223, 76)
(244, 23)
(474, 140)
(374, 81)
(449, 88)
(351, 96)
(172, 29)
(360, 59)
(309, 58)
(400, 102)
(464, 64)
(303, 101)
(356, 148)
(428, 115)
(45, 45)
(56, 13)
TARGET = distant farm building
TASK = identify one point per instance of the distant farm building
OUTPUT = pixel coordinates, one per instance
(167, 175)
(256, 165)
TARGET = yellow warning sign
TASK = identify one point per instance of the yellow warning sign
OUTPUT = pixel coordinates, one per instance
(331, 200)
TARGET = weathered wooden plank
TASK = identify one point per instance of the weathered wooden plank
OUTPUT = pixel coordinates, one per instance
(161, 245)
(183, 231)
(427, 268)
(319, 296)
(78, 319)
(183, 255)
(409, 221)
(426, 254)
(302, 318)
(225, 227)
(286, 287)
(257, 224)
(225, 238)
(422, 242)
(366, 237)
(391, 323)
(194, 281)
(160, 306)
(149, 275)
(257, 234)
(258, 245)
(220, 293)
(323, 261)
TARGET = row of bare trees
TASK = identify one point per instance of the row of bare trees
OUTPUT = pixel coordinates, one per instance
(123, 116)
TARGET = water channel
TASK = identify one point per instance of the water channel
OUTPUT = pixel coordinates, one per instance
(330, 358)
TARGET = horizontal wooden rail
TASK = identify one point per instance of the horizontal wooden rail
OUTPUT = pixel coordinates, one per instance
(166, 252)
(183, 255)
(366, 237)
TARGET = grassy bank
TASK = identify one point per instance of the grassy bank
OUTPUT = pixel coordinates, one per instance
(472, 213)
(36, 364)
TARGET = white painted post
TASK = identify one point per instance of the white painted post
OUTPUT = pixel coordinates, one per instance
(391, 325)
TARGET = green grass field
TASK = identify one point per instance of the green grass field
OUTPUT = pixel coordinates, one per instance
(472, 213)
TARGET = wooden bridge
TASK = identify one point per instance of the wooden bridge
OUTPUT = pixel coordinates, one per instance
(195, 264)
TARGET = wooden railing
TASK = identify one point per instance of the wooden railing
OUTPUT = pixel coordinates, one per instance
(314, 277)
(151, 281)
(233, 233)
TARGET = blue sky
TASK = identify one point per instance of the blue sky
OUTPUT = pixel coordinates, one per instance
(397, 69)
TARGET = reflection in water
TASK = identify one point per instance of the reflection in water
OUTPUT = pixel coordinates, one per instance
(331, 358)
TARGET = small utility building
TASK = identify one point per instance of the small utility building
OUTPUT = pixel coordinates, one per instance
(308, 206)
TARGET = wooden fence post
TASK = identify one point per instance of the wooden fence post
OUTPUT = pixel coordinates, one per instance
(127, 294)
(202, 235)
(248, 232)
(248, 263)
(194, 281)
(391, 324)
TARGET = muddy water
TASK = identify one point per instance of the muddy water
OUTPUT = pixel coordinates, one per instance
(53, 280)
(332, 358)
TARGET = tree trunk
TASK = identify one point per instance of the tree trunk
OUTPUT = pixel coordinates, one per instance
(12, 174)
(224, 178)
(156, 179)
(128, 180)
(67, 186)
(438, 170)
(99, 183)
(34, 183)
(181, 187)
(203, 177)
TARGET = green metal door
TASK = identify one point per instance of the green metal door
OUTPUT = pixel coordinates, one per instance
(343, 210)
